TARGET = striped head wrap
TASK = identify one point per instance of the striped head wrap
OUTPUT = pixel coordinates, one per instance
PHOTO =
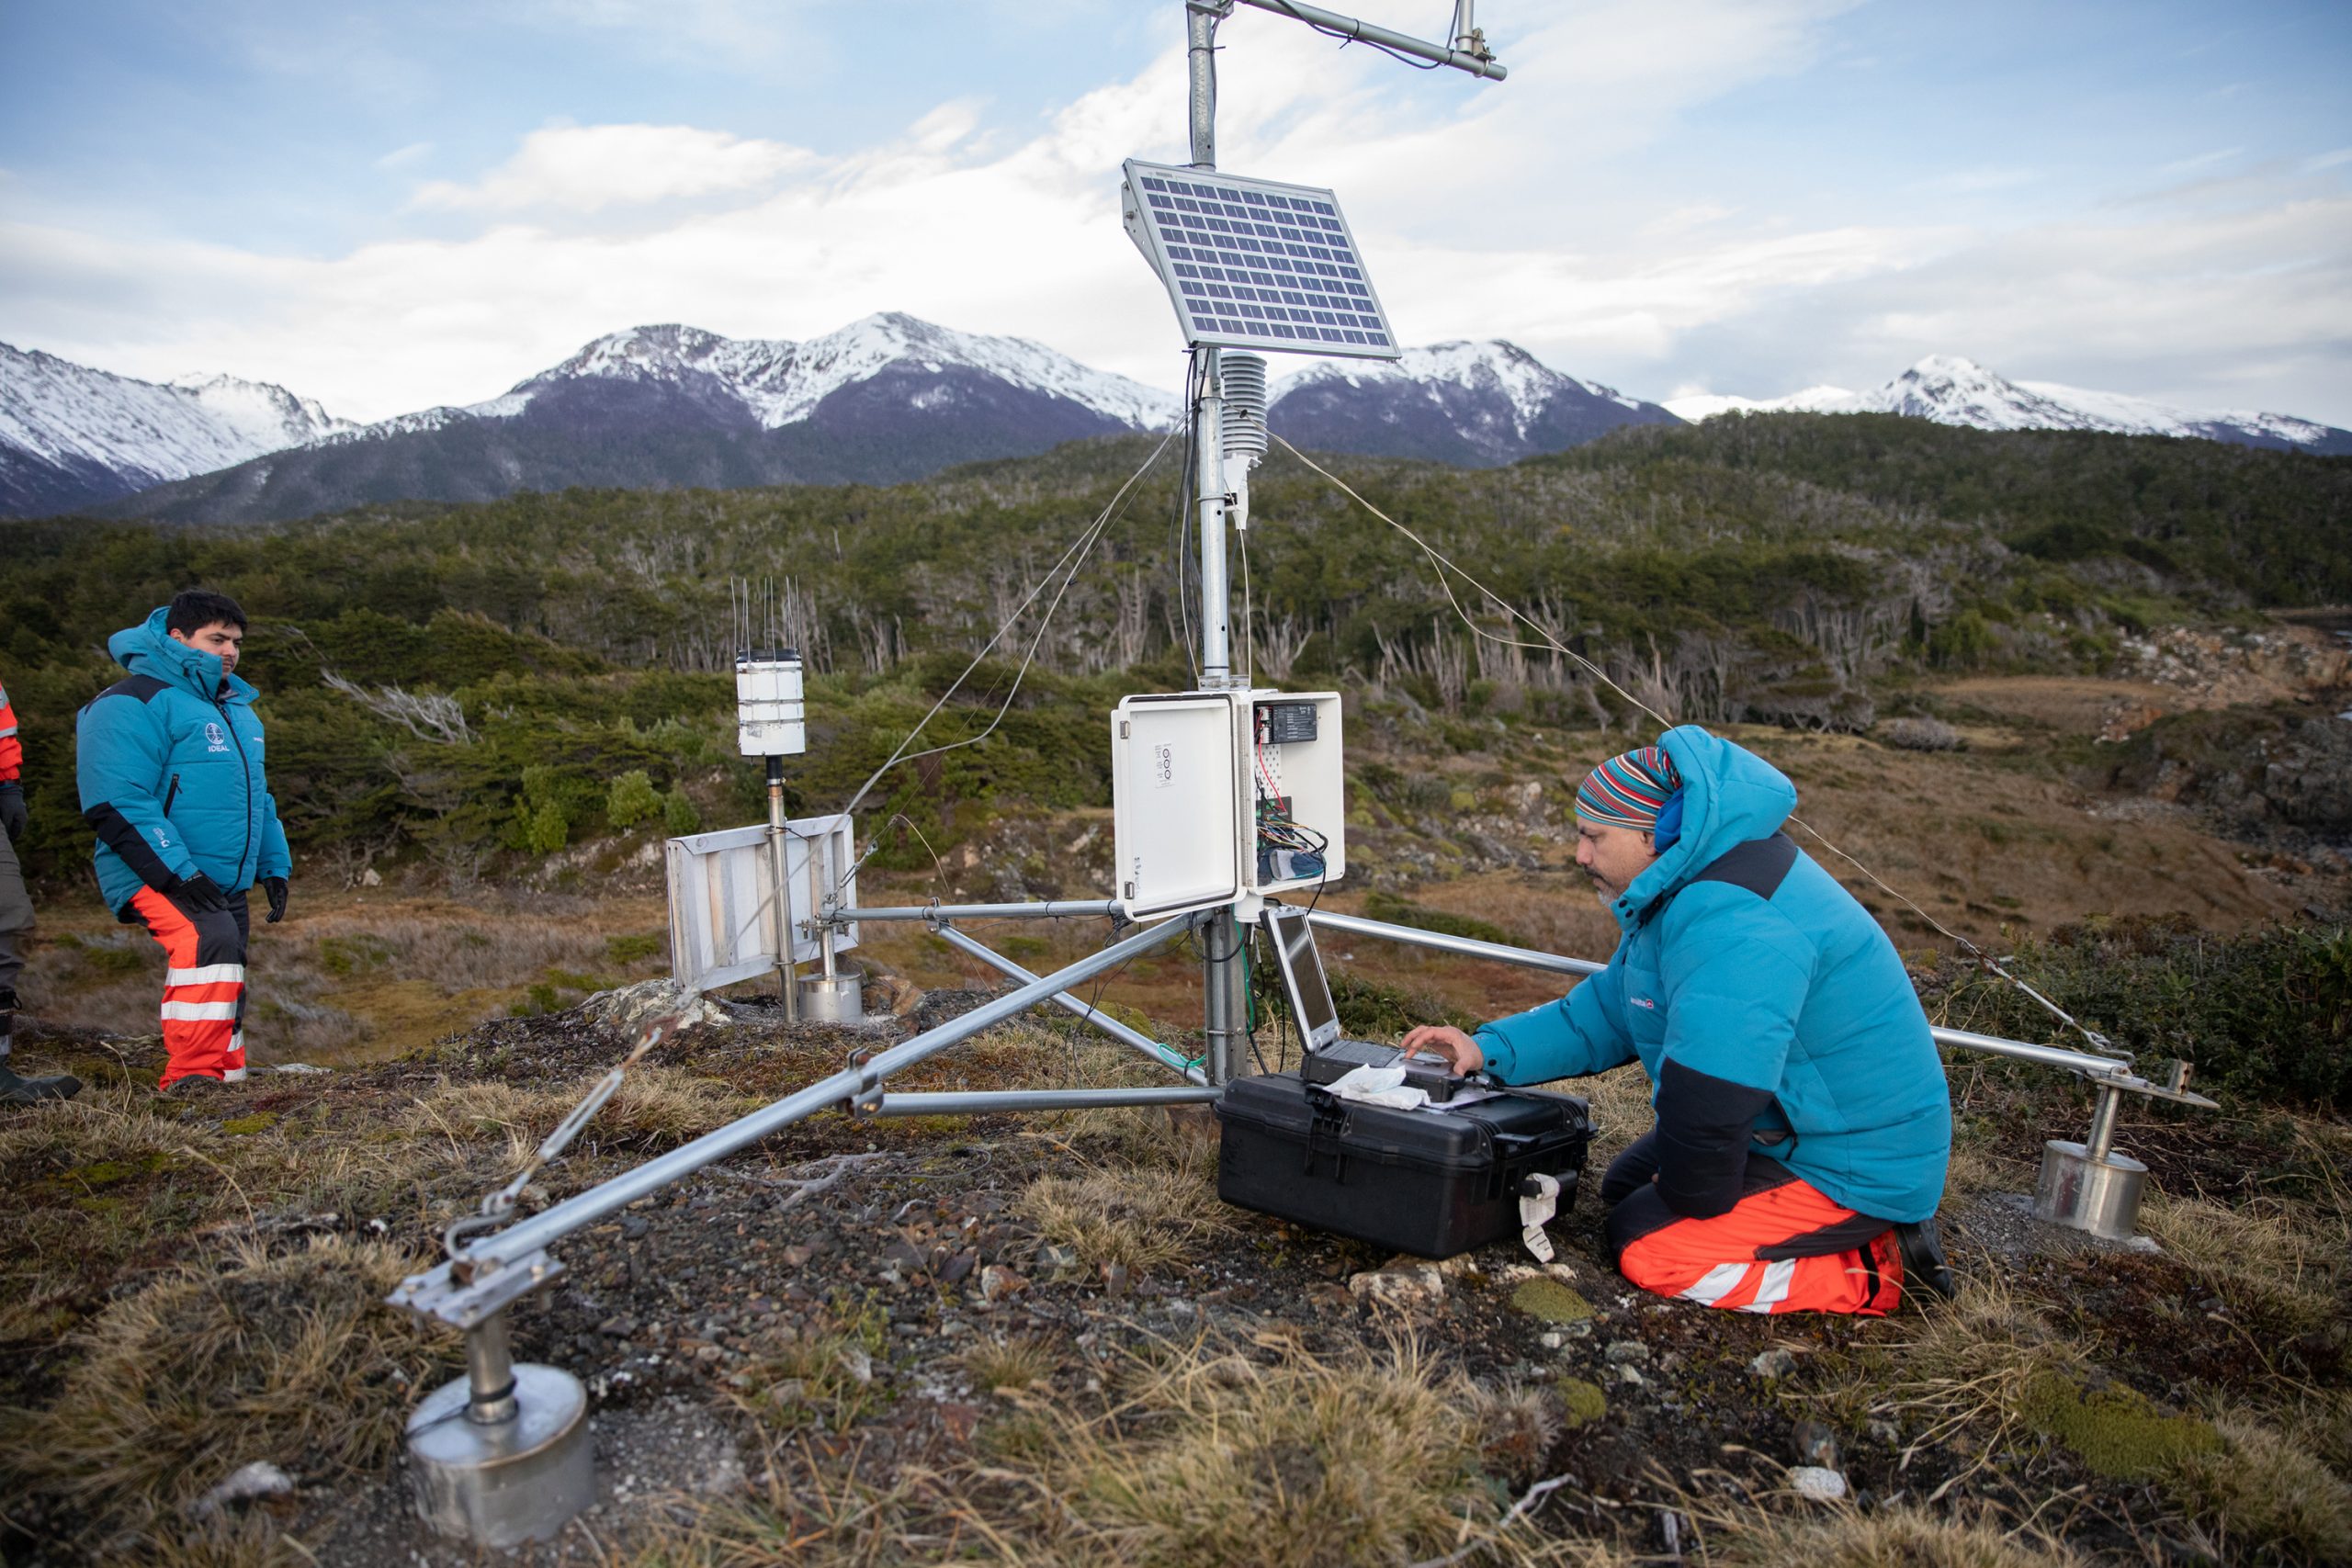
(1629, 790)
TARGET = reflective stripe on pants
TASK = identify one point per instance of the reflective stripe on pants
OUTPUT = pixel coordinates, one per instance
(1784, 1246)
(204, 990)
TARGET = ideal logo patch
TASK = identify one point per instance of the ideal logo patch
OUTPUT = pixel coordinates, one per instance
(1643, 1002)
(215, 738)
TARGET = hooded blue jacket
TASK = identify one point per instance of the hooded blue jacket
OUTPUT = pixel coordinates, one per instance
(170, 764)
(1772, 1012)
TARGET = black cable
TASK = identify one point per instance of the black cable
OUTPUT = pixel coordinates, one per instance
(1182, 534)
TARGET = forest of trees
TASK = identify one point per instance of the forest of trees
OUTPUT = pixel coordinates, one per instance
(455, 684)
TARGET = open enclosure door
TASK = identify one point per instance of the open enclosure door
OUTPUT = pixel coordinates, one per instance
(1178, 825)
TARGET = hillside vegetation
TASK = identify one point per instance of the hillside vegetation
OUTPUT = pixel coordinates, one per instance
(470, 683)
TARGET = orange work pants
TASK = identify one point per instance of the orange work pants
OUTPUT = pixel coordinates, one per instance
(204, 990)
(1784, 1246)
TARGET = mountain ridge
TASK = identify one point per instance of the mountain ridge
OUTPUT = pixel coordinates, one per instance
(1953, 389)
(1474, 404)
(73, 435)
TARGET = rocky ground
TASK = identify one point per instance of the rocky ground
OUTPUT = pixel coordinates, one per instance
(904, 1340)
(1044, 1339)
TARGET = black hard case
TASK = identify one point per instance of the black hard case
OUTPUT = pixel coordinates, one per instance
(1431, 1185)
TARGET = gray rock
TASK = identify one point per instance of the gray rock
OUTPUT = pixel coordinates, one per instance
(1625, 1352)
(1815, 1482)
(1774, 1364)
(1399, 1283)
(630, 1008)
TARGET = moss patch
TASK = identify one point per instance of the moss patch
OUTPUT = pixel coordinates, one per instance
(2115, 1430)
(1585, 1401)
(245, 1126)
(1550, 1301)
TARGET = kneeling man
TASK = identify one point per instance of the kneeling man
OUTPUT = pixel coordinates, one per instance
(1803, 1124)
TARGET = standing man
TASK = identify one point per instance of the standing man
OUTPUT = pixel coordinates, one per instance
(16, 920)
(172, 782)
(1803, 1123)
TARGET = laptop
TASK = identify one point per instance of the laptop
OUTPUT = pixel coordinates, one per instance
(1329, 1057)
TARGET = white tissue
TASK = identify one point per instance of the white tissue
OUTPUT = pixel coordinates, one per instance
(1379, 1086)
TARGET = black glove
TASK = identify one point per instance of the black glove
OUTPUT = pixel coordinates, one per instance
(12, 809)
(198, 895)
(273, 888)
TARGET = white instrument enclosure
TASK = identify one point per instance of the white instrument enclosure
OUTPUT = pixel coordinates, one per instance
(1186, 771)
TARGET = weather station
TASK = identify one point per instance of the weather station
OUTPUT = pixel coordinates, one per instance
(1228, 798)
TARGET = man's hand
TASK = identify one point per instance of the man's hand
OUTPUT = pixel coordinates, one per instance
(198, 895)
(1461, 1051)
(12, 809)
(273, 888)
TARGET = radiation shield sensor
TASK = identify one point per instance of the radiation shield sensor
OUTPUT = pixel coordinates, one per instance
(1256, 264)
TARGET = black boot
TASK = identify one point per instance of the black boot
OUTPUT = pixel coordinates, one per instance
(15, 1090)
(1924, 1269)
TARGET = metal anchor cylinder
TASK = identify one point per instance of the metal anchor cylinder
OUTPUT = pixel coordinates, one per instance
(2090, 1186)
(503, 1455)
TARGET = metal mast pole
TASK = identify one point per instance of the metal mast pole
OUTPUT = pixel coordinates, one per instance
(1223, 975)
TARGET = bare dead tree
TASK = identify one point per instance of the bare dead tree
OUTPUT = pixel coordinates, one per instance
(428, 716)
(1279, 642)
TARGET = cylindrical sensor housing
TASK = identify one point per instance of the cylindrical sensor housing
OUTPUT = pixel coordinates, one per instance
(769, 719)
(1244, 428)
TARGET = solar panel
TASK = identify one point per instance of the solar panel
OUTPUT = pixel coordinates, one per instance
(1250, 263)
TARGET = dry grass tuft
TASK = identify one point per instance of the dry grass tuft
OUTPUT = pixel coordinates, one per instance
(2262, 1490)
(1215, 1459)
(1024, 1361)
(1516, 1428)
(656, 1105)
(1884, 1537)
(2286, 1267)
(287, 1356)
(1141, 1219)
(1149, 1202)
(1967, 1361)
(104, 1123)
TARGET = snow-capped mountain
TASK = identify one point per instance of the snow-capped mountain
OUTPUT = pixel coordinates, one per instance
(1477, 404)
(886, 399)
(1952, 390)
(72, 437)
(778, 382)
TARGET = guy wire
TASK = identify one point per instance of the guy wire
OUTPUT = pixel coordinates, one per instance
(1073, 557)
(1985, 960)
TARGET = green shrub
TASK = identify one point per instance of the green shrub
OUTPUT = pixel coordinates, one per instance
(2267, 1014)
(545, 831)
(632, 799)
(679, 816)
(1401, 911)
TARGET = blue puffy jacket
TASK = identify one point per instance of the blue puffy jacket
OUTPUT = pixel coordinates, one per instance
(170, 763)
(1772, 1012)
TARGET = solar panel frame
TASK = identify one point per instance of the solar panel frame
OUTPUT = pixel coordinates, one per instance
(1258, 265)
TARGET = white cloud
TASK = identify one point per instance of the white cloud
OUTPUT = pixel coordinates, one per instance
(1516, 211)
(586, 168)
(401, 157)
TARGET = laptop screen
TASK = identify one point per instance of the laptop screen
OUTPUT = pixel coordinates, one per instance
(1302, 966)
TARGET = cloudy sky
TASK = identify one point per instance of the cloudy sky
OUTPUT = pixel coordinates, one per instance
(388, 206)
